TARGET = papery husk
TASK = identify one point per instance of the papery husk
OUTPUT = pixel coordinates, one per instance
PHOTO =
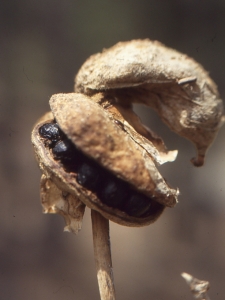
(56, 201)
(176, 86)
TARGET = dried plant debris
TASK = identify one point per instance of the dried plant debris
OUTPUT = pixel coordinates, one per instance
(54, 200)
(199, 288)
(177, 87)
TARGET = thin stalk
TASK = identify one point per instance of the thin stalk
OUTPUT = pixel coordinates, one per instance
(102, 253)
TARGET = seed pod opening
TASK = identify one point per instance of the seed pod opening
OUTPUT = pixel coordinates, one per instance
(103, 167)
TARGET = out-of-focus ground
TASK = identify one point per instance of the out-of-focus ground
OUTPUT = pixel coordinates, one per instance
(43, 44)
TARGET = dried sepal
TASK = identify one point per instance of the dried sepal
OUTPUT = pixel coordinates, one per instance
(173, 84)
(56, 201)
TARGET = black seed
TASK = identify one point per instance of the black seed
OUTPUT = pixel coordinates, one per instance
(114, 193)
(51, 131)
(89, 176)
(63, 150)
(137, 205)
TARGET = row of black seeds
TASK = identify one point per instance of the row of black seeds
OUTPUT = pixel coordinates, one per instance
(111, 190)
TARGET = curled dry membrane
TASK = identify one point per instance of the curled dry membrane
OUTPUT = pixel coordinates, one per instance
(109, 139)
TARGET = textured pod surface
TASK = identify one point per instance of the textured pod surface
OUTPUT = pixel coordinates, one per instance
(92, 130)
(170, 82)
(95, 133)
(60, 193)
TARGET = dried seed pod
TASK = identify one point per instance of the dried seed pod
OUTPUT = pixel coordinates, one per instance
(93, 132)
(94, 151)
(173, 84)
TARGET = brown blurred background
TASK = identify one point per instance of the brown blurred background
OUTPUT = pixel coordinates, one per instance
(43, 44)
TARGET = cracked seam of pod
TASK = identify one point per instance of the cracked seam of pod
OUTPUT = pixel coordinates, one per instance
(173, 84)
(92, 131)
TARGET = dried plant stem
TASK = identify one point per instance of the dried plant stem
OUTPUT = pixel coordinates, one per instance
(102, 253)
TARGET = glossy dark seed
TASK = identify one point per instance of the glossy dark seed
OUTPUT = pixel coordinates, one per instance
(114, 193)
(137, 205)
(63, 150)
(51, 131)
(89, 176)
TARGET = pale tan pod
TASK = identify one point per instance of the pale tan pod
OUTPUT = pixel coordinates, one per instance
(90, 127)
(170, 82)
(92, 130)
(59, 186)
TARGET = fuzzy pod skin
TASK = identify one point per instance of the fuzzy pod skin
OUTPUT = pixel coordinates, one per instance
(93, 131)
(176, 86)
(91, 128)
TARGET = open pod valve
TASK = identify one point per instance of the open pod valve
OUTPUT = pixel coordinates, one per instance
(94, 151)
(89, 159)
